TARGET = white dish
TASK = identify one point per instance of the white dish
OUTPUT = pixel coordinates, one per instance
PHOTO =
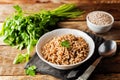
(58, 32)
(99, 28)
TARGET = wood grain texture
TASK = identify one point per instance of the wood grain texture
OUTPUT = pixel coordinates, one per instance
(37, 77)
(108, 69)
(7, 9)
(112, 76)
(60, 1)
(81, 25)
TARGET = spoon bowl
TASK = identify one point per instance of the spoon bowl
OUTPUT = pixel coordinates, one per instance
(108, 48)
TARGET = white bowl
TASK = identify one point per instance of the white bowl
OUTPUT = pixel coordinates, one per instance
(99, 28)
(58, 32)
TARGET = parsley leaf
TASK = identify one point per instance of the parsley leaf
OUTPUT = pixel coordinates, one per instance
(20, 58)
(65, 43)
(18, 8)
(31, 70)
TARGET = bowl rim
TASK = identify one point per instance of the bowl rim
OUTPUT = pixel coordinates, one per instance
(46, 34)
(112, 18)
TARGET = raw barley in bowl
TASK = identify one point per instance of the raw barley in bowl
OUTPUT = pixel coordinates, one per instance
(76, 50)
(100, 18)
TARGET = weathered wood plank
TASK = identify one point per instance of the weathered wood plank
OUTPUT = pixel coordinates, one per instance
(108, 69)
(7, 9)
(37, 77)
(81, 25)
(61, 1)
(112, 76)
(7, 55)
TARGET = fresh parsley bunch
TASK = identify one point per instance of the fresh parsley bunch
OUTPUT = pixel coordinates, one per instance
(23, 30)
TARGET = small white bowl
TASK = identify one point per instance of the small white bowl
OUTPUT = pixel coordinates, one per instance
(99, 28)
(58, 32)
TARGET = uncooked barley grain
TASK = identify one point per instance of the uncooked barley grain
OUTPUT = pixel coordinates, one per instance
(99, 18)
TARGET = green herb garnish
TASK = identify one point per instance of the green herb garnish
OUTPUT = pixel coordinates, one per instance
(31, 70)
(23, 30)
(20, 58)
(65, 44)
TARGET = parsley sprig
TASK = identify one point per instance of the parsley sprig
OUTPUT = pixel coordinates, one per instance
(65, 44)
(31, 70)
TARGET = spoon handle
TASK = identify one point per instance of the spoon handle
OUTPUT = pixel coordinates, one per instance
(90, 69)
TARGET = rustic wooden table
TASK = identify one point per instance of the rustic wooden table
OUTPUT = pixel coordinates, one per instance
(108, 69)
